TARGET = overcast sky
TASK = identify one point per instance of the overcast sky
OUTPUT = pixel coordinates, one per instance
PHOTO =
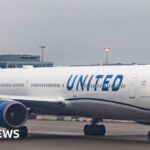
(76, 31)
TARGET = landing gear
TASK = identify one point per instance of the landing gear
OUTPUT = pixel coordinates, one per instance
(148, 137)
(23, 132)
(94, 129)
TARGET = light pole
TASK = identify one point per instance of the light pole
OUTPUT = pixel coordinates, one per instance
(106, 50)
(42, 48)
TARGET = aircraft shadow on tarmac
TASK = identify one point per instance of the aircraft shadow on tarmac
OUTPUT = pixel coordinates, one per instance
(71, 137)
(115, 138)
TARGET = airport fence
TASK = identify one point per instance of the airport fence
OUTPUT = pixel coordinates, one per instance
(66, 118)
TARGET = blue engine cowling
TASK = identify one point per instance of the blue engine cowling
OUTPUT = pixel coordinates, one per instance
(13, 114)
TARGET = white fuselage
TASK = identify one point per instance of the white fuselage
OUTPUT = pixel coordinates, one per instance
(107, 92)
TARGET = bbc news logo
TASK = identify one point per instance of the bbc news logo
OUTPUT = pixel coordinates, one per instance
(9, 134)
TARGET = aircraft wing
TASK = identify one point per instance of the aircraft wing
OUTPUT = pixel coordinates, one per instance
(39, 105)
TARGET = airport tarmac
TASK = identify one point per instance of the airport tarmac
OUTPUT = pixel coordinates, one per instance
(67, 135)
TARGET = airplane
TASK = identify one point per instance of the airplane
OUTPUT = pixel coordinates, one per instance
(98, 92)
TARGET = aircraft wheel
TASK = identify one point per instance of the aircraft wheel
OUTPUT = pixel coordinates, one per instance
(23, 132)
(98, 130)
(148, 137)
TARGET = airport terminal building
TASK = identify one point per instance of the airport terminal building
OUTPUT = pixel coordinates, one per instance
(18, 61)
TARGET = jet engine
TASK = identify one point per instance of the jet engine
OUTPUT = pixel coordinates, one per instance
(13, 114)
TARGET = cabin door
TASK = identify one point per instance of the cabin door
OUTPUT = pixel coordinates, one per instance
(132, 88)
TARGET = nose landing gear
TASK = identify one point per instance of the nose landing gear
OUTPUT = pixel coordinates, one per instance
(148, 137)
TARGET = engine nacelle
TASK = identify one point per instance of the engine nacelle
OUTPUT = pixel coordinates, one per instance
(13, 114)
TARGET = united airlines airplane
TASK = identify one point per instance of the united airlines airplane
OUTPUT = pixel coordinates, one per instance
(99, 92)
